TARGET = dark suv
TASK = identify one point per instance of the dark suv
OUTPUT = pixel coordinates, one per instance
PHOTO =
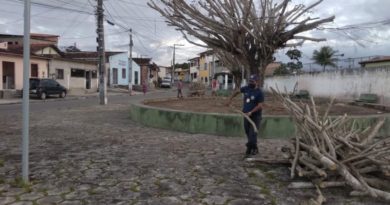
(46, 87)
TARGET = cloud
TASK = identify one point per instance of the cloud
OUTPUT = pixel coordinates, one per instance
(152, 37)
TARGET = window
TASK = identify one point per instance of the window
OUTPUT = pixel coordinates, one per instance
(206, 79)
(52, 83)
(123, 73)
(34, 70)
(60, 74)
(201, 79)
(94, 74)
(10, 43)
(136, 77)
(77, 73)
(205, 66)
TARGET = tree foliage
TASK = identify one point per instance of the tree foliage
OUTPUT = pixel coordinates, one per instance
(325, 57)
(295, 65)
(249, 30)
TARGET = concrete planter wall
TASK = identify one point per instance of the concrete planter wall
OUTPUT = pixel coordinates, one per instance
(228, 124)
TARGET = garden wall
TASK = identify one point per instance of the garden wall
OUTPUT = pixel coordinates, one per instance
(340, 84)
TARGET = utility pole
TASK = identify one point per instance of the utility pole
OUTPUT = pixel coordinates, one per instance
(173, 66)
(26, 91)
(130, 60)
(101, 53)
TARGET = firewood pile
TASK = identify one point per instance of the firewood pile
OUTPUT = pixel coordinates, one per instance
(331, 151)
(197, 89)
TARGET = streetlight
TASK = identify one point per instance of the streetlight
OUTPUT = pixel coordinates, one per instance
(173, 66)
(26, 88)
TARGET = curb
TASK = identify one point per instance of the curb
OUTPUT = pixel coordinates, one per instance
(68, 98)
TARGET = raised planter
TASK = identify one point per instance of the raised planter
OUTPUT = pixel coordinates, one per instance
(272, 126)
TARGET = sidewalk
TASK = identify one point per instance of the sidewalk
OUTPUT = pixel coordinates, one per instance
(69, 97)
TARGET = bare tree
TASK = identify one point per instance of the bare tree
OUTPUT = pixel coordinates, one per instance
(251, 30)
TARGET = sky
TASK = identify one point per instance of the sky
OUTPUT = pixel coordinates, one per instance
(154, 39)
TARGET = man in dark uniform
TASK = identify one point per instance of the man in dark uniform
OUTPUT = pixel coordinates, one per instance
(252, 106)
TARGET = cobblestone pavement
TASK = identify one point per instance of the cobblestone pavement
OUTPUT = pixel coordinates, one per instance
(96, 155)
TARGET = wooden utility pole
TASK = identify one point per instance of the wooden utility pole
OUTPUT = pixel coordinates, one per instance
(173, 66)
(101, 53)
(130, 60)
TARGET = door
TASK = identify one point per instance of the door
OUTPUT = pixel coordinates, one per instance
(88, 79)
(34, 70)
(115, 76)
(8, 75)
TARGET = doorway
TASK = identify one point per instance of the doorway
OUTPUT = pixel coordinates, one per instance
(88, 79)
(8, 75)
(34, 70)
(115, 76)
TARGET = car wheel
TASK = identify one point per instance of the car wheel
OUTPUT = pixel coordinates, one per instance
(63, 94)
(43, 96)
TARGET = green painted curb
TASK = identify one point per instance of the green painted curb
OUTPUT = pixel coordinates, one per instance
(278, 126)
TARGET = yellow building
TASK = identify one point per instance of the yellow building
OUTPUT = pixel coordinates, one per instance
(205, 66)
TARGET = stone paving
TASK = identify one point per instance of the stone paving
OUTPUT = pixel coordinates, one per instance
(96, 155)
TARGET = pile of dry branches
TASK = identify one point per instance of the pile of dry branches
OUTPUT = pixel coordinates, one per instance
(197, 89)
(331, 151)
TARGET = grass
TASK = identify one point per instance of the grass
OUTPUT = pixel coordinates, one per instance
(19, 183)
(92, 192)
(134, 188)
(264, 188)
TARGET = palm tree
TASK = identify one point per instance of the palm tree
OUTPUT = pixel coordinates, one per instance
(325, 57)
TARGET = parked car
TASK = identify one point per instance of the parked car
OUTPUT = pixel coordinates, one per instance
(42, 88)
(166, 82)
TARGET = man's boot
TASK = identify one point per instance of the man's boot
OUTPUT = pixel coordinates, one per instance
(255, 150)
(248, 151)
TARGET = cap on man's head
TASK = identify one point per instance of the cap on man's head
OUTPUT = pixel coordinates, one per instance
(253, 78)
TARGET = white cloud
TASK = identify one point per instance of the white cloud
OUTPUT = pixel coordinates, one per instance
(154, 38)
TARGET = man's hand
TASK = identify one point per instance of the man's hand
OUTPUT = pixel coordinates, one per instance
(249, 114)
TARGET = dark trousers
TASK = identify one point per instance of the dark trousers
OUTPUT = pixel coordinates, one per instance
(250, 132)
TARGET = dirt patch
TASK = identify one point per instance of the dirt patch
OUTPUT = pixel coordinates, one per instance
(272, 106)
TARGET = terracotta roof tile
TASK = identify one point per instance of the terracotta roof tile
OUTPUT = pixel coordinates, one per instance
(376, 60)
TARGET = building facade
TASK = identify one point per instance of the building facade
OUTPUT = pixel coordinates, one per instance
(11, 69)
(119, 69)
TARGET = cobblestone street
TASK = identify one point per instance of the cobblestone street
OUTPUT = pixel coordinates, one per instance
(96, 155)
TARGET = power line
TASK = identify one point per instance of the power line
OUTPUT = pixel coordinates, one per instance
(54, 7)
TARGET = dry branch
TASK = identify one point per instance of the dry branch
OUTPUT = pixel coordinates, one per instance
(331, 148)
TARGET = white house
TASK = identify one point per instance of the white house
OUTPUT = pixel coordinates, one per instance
(119, 69)
(135, 74)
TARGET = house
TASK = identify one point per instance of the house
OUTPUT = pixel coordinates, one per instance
(182, 74)
(135, 73)
(92, 57)
(205, 59)
(144, 67)
(194, 69)
(118, 73)
(74, 74)
(377, 62)
(11, 68)
(163, 72)
(35, 38)
(154, 70)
